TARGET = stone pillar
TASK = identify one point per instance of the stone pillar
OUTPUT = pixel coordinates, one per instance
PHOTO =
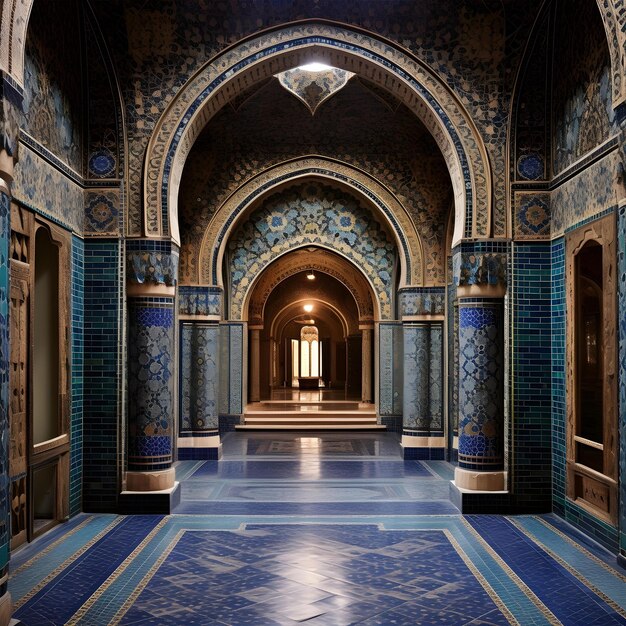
(199, 309)
(152, 269)
(6, 176)
(255, 364)
(422, 311)
(366, 365)
(481, 284)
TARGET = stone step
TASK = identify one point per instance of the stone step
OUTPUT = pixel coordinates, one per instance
(335, 413)
(310, 419)
(293, 426)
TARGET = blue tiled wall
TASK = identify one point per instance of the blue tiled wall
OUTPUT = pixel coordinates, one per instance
(76, 427)
(531, 471)
(558, 375)
(100, 398)
(621, 259)
(452, 373)
(604, 533)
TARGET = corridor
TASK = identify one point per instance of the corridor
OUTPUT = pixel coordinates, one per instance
(321, 529)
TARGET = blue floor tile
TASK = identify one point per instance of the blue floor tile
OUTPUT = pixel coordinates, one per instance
(268, 536)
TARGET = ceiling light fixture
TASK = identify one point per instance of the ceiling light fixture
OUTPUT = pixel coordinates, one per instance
(311, 275)
(308, 308)
(315, 67)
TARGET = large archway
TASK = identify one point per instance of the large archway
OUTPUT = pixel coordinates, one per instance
(258, 58)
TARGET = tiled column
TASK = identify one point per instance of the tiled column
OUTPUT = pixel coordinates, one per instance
(199, 310)
(152, 268)
(232, 380)
(366, 364)
(422, 408)
(481, 283)
(390, 381)
(255, 364)
(6, 170)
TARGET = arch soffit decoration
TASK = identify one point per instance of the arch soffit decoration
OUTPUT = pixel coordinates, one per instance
(614, 20)
(382, 302)
(291, 264)
(258, 57)
(15, 17)
(387, 207)
(293, 310)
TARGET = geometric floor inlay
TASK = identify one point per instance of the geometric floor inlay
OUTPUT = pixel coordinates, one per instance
(315, 574)
(286, 537)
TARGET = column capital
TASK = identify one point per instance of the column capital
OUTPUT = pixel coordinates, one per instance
(151, 267)
(200, 302)
(480, 269)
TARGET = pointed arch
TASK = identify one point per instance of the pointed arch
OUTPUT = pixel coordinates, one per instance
(387, 208)
(261, 56)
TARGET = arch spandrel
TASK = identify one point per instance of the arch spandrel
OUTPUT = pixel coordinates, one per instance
(259, 57)
(388, 208)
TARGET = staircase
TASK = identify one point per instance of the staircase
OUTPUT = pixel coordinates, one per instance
(314, 415)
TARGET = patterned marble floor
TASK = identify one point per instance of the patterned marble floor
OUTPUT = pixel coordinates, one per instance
(350, 534)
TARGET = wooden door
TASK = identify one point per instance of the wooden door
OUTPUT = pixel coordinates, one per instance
(19, 333)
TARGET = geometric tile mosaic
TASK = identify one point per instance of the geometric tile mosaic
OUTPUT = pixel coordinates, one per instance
(364, 564)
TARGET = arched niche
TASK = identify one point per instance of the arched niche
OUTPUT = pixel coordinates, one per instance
(386, 207)
(311, 214)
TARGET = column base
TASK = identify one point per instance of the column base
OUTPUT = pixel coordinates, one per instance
(423, 448)
(199, 448)
(488, 502)
(472, 480)
(161, 502)
(150, 481)
(6, 609)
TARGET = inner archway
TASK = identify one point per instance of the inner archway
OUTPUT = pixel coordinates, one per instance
(310, 345)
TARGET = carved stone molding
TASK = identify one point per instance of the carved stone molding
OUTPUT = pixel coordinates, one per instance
(410, 80)
(390, 210)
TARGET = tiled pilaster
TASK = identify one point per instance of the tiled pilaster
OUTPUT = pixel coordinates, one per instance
(151, 275)
(422, 417)
(199, 309)
(199, 386)
(480, 275)
(232, 380)
(390, 378)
